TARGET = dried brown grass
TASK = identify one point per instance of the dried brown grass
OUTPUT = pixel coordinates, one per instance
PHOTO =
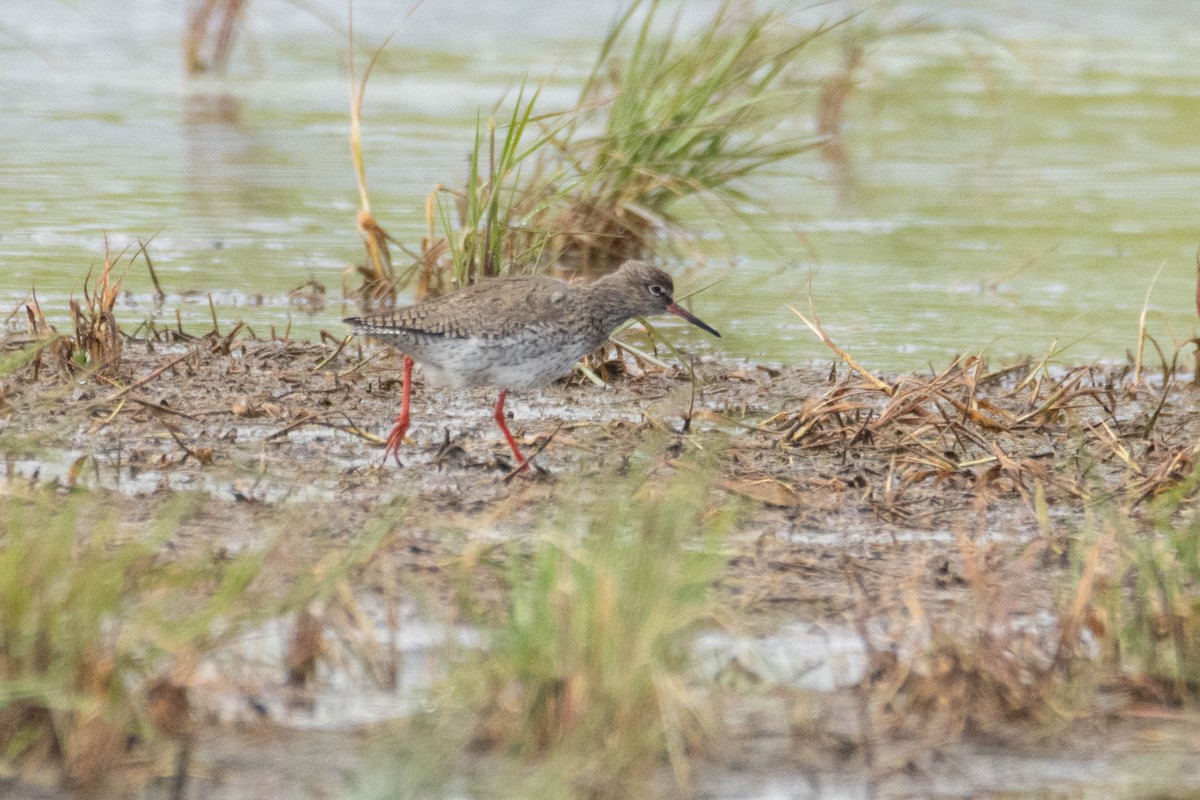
(98, 341)
(1086, 433)
(986, 669)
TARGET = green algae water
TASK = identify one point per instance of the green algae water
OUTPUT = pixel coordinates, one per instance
(1011, 178)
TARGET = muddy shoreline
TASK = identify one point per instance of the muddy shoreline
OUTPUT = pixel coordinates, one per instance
(848, 494)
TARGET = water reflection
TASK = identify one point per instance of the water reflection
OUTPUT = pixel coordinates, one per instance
(219, 154)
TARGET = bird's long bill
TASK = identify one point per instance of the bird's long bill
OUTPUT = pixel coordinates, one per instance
(692, 318)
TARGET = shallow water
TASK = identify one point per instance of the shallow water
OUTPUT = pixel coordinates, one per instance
(1055, 142)
(344, 696)
(799, 656)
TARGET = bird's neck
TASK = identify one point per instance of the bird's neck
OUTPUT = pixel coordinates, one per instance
(605, 296)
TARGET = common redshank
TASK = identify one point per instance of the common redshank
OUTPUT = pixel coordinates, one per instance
(515, 333)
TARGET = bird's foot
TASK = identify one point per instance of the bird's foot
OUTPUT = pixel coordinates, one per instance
(395, 439)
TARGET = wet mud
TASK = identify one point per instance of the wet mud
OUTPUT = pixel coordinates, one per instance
(852, 491)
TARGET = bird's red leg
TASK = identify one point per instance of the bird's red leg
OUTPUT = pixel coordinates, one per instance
(396, 437)
(504, 429)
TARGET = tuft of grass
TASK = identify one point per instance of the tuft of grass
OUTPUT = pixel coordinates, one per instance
(99, 633)
(681, 115)
(491, 223)
(1153, 600)
(97, 336)
(986, 672)
(590, 659)
(666, 115)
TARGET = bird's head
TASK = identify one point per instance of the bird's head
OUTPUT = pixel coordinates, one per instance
(649, 291)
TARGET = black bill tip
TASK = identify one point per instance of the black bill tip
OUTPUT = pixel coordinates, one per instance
(692, 318)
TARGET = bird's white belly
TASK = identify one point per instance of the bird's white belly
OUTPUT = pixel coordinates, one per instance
(524, 364)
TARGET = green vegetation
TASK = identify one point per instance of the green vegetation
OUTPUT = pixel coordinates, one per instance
(593, 651)
(100, 631)
(1152, 602)
(985, 618)
(586, 681)
(666, 115)
(490, 225)
(681, 115)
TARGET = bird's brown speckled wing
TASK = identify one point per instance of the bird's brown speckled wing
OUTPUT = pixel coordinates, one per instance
(491, 309)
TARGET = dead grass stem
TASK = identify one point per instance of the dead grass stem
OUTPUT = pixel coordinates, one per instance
(378, 276)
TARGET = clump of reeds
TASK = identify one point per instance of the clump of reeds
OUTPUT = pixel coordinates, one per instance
(665, 116)
(491, 224)
(97, 336)
(681, 115)
(590, 660)
(475, 231)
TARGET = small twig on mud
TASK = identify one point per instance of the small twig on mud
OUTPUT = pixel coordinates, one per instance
(1054, 397)
(314, 419)
(1114, 443)
(1038, 368)
(889, 483)
(117, 410)
(305, 420)
(223, 347)
(351, 427)
(17, 309)
(38, 324)
(687, 420)
(159, 294)
(161, 408)
(663, 426)
(212, 308)
(591, 375)
(1168, 473)
(529, 459)
(1162, 401)
(445, 448)
(976, 417)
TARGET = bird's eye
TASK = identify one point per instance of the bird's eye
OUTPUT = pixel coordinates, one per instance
(656, 290)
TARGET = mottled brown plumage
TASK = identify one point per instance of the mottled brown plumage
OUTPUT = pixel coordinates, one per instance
(517, 333)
